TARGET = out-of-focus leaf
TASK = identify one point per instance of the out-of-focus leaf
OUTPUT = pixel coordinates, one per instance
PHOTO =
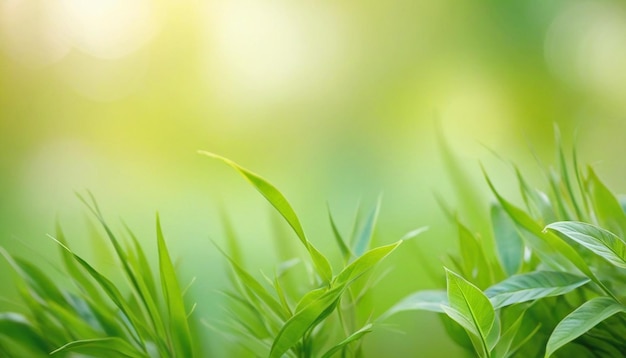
(351, 338)
(362, 242)
(99, 347)
(428, 300)
(606, 206)
(585, 317)
(509, 243)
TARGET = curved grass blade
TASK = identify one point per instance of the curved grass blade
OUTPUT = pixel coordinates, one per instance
(112, 346)
(363, 264)
(304, 320)
(584, 318)
(362, 242)
(532, 286)
(351, 338)
(428, 300)
(345, 250)
(179, 327)
(606, 206)
(280, 203)
(509, 243)
(602, 242)
(19, 329)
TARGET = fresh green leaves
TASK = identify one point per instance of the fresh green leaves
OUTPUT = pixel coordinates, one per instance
(280, 203)
(582, 320)
(470, 308)
(299, 329)
(533, 286)
(602, 242)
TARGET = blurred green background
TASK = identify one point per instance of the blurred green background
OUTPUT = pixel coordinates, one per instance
(333, 102)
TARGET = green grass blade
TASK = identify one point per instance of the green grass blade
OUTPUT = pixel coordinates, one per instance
(143, 267)
(427, 300)
(606, 206)
(532, 286)
(114, 294)
(363, 239)
(100, 347)
(602, 242)
(565, 177)
(343, 247)
(179, 327)
(79, 277)
(280, 203)
(509, 243)
(256, 288)
(577, 323)
(363, 264)
(470, 308)
(19, 329)
(351, 338)
(304, 320)
(474, 261)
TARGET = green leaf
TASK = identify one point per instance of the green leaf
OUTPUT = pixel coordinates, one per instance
(254, 286)
(280, 203)
(428, 300)
(304, 320)
(585, 317)
(351, 338)
(606, 206)
(509, 243)
(345, 250)
(179, 327)
(603, 243)
(21, 330)
(99, 347)
(555, 244)
(470, 308)
(532, 286)
(362, 242)
(364, 263)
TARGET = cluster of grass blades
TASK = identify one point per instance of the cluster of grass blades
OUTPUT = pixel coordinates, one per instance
(98, 317)
(552, 282)
(317, 317)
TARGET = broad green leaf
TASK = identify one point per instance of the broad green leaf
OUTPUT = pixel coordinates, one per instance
(584, 318)
(310, 296)
(606, 206)
(304, 320)
(112, 347)
(532, 286)
(428, 300)
(280, 203)
(469, 307)
(509, 243)
(351, 338)
(601, 242)
(362, 242)
(179, 327)
(363, 263)
(509, 333)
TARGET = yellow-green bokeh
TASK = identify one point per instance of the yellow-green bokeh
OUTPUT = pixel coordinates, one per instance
(333, 102)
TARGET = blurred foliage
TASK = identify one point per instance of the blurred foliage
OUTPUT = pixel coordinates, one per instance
(336, 98)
